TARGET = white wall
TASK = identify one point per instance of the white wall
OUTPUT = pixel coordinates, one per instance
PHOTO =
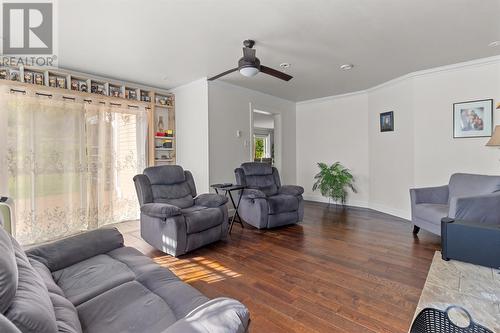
(391, 153)
(420, 152)
(191, 122)
(263, 120)
(437, 153)
(229, 111)
(334, 130)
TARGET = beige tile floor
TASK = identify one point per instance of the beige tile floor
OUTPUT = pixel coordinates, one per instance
(475, 288)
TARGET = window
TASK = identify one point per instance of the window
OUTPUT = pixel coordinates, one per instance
(69, 164)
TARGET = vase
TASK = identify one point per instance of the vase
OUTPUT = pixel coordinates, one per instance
(160, 124)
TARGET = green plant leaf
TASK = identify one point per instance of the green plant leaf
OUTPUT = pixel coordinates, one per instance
(333, 181)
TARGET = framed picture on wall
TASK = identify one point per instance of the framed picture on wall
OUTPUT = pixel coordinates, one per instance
(473, 119)
(387, 121)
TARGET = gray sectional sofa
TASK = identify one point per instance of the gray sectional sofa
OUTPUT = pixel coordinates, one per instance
(92, 283)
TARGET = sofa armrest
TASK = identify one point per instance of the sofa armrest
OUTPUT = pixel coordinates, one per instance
(160, 210)
(291, 190)
(217, 315)
(210, 200)
(251, 193)
(68, 251)
(484, 209)
(434, 195)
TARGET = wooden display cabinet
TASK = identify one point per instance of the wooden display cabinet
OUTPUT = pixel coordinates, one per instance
(157, 102)
(162, 133)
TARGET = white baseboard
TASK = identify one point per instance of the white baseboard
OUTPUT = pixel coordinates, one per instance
(391, 211)
(319, 198)
(363, 204)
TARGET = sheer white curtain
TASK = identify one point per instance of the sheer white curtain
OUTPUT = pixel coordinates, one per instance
(116, 149)
(68, 164)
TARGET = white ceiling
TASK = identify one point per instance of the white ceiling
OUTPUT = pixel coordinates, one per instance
(172, 42)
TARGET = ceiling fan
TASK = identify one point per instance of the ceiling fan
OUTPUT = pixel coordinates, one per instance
(250, 65)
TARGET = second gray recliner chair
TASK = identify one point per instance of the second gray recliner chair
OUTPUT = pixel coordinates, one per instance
(173, 219)
(265, 203)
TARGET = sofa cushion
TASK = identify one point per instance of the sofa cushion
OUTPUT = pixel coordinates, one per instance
(74, 249)
(89, 278)
(431, 212)
(282, 203)
(260, 176)
(177, 194)
(31, 309)
(179, 296)
(165, 175)
(6, 326)
(256, 168)
(46, 276)
(265, 184)
(8, 271)
(462, 184)
(202, 219)
(66, 316)
(130, 307)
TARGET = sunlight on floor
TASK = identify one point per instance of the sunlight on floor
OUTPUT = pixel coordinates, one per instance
(196, 269)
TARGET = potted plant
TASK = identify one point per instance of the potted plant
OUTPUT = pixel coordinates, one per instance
(333, 182)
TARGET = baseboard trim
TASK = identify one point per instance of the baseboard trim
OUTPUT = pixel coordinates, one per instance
(391, 211)
(352, 203)
(363, 204)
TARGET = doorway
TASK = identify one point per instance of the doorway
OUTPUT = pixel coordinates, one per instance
(266, 137)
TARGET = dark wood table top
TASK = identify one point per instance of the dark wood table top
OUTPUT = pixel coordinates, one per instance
(228, 187)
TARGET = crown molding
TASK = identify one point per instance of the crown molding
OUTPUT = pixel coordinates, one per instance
(333, 97)
(203, 80)
(440, 69)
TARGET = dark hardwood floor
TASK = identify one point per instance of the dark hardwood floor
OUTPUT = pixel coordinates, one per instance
(352, 270)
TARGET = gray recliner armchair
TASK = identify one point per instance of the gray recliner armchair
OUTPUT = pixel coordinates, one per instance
(467, 197)
(265, 203)
(173, 219)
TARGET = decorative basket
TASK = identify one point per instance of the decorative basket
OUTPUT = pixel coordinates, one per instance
(431, 320)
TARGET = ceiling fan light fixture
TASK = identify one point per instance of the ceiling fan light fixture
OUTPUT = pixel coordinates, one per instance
(249, 71)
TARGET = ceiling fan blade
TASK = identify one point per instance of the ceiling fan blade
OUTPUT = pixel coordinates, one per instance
(249, 54)
(275, 73)
(222, 74)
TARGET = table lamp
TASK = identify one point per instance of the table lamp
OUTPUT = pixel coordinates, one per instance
(495, 138)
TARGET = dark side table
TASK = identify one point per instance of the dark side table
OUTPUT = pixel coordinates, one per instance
(228, 189)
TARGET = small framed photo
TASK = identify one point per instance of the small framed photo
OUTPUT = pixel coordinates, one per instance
(74, 85)
(52, 81)
(61, 82)
(4, 74)
(473, 119)
(387, 121)
(15, 75)
(39, 79)
(28, 77)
